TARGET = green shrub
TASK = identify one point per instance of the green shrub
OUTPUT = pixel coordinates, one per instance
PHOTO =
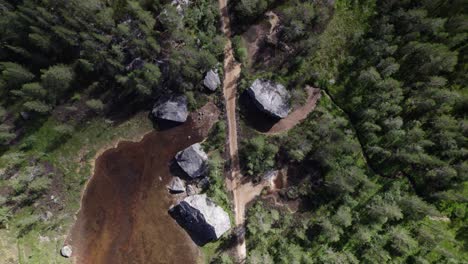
(240, 52)
(95, 105)
(258, 156)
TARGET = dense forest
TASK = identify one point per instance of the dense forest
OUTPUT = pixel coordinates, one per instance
(379, 168)
(382, 160)
(103, 55)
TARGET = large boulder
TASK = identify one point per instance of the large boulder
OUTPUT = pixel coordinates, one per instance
(171, 109)
(176, 185)
(201, 218)
(271, 98)
(212, 80)
(192, 160)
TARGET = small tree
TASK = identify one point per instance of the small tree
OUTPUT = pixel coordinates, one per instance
(258, 155)
(39, 185)
(2, 113)
(401, 241)
(57, 80)
(6, 137)
(13, 76)
(95, 104)
(37, 106)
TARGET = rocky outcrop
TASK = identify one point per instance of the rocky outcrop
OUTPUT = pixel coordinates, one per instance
(271, 98)
(176, 185)
(201, 218)
(192, 160)
(171, 109)
(212, 80)
(66, 251)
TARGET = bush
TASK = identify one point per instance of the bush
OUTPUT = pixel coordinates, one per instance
(37, 106)
(2, 113)
(6, 137)
(39, 185)
(57, 80)
(240, 52)
(258, 156)
(95, 105)
(217, 137)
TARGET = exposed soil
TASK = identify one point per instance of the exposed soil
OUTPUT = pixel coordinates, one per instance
(298, 114)
(253, 38)
(123, 216)
(266, 124)
(257, 37)
(231, 75)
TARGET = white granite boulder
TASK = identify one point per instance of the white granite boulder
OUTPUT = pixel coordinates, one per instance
(201, 218)
(271, 98)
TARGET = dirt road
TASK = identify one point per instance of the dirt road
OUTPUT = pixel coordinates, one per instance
(231, 74)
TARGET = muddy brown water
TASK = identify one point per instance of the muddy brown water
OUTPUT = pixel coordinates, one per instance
(123, 216)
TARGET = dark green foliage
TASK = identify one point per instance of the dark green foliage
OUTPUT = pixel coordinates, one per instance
(403, 98)
(257, 156)
(109, 51)
(357, 216)
(249, 10)
(240, 52)
(95, 105)
(216, 138)
(13, 76)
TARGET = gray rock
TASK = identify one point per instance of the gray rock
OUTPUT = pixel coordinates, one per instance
(176, 185)
(192, 160)
(201, 218)
(66, 251)
(272, 98)
(191, 189)
(212, 80)
(204, 183)
(270, 175)
(172, 109)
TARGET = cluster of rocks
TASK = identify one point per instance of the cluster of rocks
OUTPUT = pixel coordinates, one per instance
(174, 108)
(270, 97)
(192, 161)
(197, 214)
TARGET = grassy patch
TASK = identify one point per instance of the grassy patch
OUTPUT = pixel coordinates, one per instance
(72, 155)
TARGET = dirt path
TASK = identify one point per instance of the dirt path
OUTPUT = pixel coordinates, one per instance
(231, 74)
(299, 114)
(243, 193)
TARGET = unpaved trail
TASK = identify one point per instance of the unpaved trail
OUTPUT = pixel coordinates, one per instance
(231, 74)
(243, 193)
(299, 114)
